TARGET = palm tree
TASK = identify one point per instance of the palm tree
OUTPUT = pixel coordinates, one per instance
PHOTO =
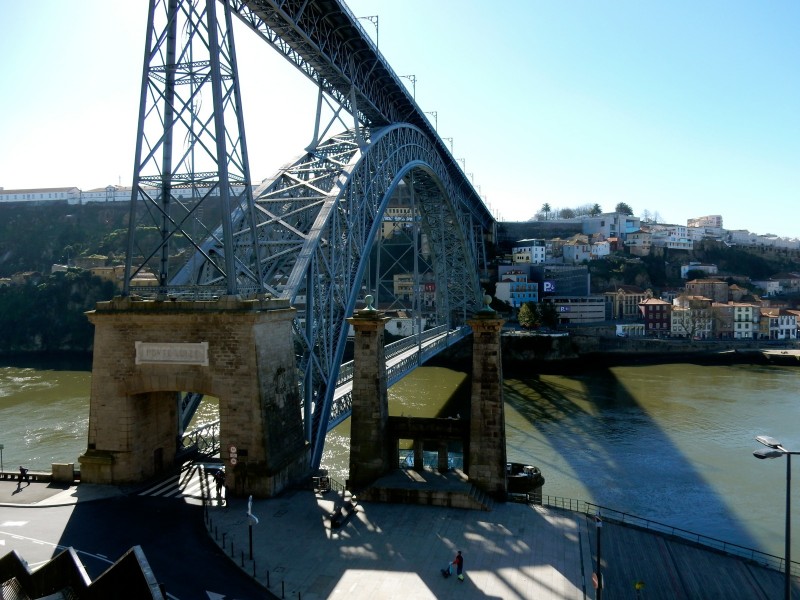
(546, 210)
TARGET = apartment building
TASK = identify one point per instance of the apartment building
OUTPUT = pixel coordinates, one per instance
(638, 243)
(672, 237)
(707, 221)
(529, 252)
(515, 289)
(745, 320)
(611, 225)
(715, 289)
(692, 317)
(70, 195)
(696, 266)
(656, 315)
(777, 324)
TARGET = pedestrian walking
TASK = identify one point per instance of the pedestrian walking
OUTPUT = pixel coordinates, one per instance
(23, 475)
(458, 561)
(219, 480)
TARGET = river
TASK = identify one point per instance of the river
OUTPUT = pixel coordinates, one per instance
(672, 443)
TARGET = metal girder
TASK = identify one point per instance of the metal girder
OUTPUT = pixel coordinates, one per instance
(306, 234)
(317, 222)
(324, 40)
(191, 171)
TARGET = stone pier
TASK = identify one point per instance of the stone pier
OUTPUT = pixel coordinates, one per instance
(370, 453)
(241, 351)
(487, 443)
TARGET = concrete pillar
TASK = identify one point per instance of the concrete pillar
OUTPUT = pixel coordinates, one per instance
(487, 444)
(370, 445)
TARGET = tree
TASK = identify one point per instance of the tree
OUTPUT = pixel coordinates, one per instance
(549, 314)
(691, 318)
(526, 316)
(624, 209)
(567, 213)
(546, 209)
(595, 210)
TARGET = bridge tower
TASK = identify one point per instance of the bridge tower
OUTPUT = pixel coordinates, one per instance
(162, 339)
(199, 231)
(487, 444)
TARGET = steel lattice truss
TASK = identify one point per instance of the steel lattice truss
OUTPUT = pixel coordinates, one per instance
(316, 223)
(190, 147)
(307, 234)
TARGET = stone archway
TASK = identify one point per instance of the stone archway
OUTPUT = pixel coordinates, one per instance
(239, 351)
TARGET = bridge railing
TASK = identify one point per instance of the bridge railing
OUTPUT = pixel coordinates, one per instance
(190, 292)
(768, 560)
(205, 439)
(431, 342)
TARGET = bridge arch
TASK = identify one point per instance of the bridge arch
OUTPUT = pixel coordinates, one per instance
(315, 224)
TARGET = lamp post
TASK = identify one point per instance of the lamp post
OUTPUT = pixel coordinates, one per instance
(435, 119)
(251, 520)
(413, 80)
(776, 451)
(598, 573)
(374, 20)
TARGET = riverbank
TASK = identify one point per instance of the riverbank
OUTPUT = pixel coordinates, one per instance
(573, 352)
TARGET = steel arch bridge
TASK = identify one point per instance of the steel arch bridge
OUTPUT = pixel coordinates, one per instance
(306, 234)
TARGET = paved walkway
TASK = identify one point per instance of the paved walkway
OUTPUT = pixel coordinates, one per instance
(515, 551)
(36, 493)
(393, 551)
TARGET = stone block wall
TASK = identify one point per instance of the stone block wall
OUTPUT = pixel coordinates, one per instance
(249, 365)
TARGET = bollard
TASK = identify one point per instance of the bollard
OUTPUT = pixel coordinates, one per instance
(268, 579)
(242, 562)
(254, 569)
(232, 552)
(215, 533)
(223, 539)
(282, 594)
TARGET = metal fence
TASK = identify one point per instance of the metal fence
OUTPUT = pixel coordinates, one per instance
(615, 516)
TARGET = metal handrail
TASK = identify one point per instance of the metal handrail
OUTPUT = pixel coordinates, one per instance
(589, 508)
(205, 438)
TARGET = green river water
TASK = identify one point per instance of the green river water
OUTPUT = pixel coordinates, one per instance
(672, 443)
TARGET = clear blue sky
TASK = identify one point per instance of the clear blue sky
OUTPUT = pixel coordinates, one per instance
(682, 108)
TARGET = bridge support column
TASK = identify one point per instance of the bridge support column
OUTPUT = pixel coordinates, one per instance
(443, 464)
(146, 352)
(370, 445)
(487, 443)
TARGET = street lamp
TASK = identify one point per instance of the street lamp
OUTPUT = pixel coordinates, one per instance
(374, 20)
(413, 80)
(776, 451)
(435, 119)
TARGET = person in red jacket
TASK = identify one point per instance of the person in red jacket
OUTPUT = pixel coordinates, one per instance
(458, 561)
